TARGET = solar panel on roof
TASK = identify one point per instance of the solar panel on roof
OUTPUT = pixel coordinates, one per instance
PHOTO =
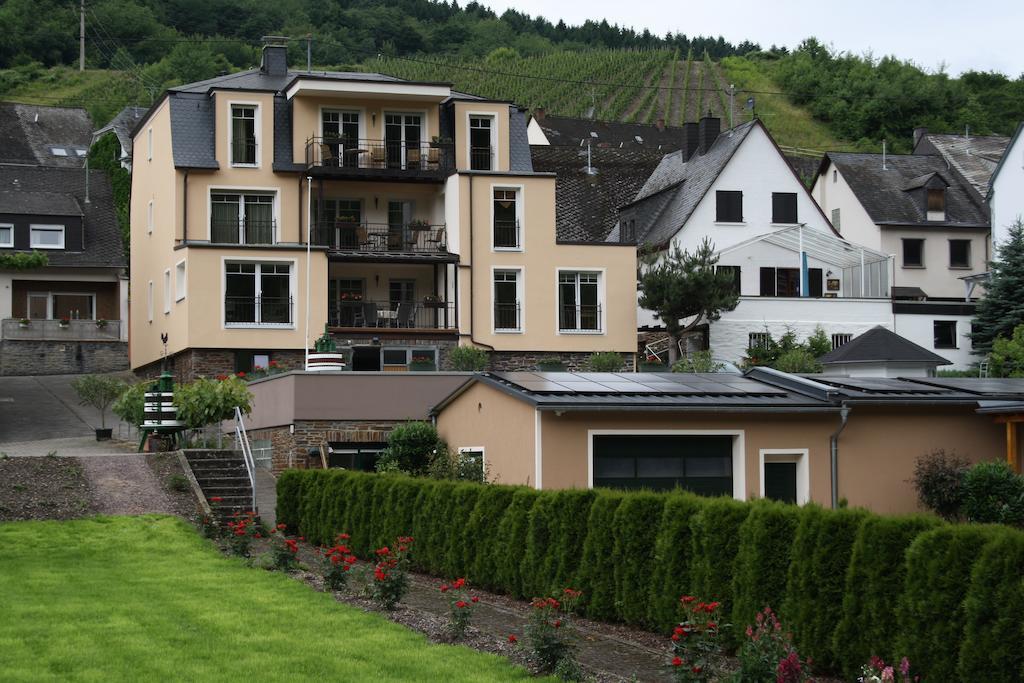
(587, 387)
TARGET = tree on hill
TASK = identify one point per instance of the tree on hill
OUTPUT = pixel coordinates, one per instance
(679, 285)
(1002, 308)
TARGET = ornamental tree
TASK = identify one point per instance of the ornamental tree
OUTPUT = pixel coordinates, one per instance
(1002, 308)
(678, 286)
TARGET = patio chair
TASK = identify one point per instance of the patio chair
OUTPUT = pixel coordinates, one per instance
(405, 316)
(412, 158)
(433, 157)
(370, 314)
(327, 157)
(377, 156)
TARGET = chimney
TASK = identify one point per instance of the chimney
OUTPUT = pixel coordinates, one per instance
(660, 124)
(691, 139)
(275, 56)
(538, 113)
(709, 128)
(919, 133)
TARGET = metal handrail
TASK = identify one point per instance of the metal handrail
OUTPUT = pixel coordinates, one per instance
(381, 154)
(243, 444)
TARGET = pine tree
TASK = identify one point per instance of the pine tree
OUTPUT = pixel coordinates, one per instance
(1002, 308)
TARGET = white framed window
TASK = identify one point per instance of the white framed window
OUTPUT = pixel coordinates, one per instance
(580, 297)
(758, 341)
(507, 295)
(149, 217)
(243, 217)
(149, 144)
(149, 302)
(839, 339)
(46, 236)
(785, 475)
(244, 140)
(481, 142)
(506, 219)
(180, 283)
(258, 294)
(6, 235)
(167, 291)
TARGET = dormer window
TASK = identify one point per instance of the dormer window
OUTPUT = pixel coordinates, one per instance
(243, 135)
(46, 237)
(936, 205)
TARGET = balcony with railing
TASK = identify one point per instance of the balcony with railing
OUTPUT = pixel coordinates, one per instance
(64, 329)
(481, 158)
(247, 231)
(414, 237)
(379, 159)
(507, 317)
(249, 311)
(392, 316)
(506, 234)
(583, 318)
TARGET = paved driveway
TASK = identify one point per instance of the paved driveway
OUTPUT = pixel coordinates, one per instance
(39, 415)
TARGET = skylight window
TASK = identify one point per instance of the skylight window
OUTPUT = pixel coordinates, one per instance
(593, 134)
(639, 139)
(59, 151)
(81, 152)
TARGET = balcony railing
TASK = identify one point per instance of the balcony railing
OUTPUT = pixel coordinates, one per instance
(413, 237)
(70, 330)
(346, 154)
(247, 231)
(481, 158)
(422, 315)
(583, 318)
(258, 310)
(506, 316)
(506, 234)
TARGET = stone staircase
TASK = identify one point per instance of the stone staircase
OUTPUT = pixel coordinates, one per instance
(221, 474)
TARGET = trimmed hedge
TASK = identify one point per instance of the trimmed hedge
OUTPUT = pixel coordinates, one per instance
(635, 531)
(993, 629)
(892, 585)
(874, 584)
(673, 552)
(762, 562)
(939, 564)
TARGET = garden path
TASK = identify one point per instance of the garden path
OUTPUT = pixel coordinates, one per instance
(125, 485)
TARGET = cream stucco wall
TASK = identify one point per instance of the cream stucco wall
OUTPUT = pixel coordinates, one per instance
(499, 138)
(539, 260)
(503, 426)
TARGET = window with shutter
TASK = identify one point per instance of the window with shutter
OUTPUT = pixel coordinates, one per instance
(784, 207)
(729, 206)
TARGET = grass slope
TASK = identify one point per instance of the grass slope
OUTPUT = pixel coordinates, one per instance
(146, 598)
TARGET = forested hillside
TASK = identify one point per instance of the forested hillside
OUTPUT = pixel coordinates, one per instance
(811, 97)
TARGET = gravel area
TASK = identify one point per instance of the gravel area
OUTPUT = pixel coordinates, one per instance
(166, 468)
(125, 485)
(43, 488)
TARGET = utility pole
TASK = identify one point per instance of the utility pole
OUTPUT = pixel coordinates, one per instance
(81, 35)
(309, 52)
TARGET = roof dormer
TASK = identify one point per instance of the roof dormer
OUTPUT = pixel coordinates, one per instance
(930, 191)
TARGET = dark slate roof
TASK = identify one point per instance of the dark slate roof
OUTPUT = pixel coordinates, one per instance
(103, 245)
(519, 144)
(192, 129)
(122, 126)
(587, 204)
(974, 158)
(673, 190)
(29, 132)
(1013, 139)
(22, 201)
(569, 131)
(879, 345)
(885, 195)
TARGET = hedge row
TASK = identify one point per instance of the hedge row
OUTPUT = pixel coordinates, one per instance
(849, 584)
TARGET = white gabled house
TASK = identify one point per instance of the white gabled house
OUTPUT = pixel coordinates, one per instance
(792, 270)
(1006, 188)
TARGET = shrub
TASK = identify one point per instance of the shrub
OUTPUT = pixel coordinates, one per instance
(993, 628)
(814, 588)
(798, 361)
(551, 365)
(931, 611)
(762, 562)
(938, 479)
(482, 533)
(283, 549)
(635, 532)
(289, 496)
(768, 653)
(429, 520)
(130, 405)
(460, 607)
(536, 567)
(400, 506)
(411, 446)
(698, 361)
(572, 510)
(510, 542)
(604, 361)
(98, 391)
(177, 482)
(874, 583)
(338, 561)
(310, 521)
(463, 500)
(597, 569)
(549, 630)
(469, 359)
(695, 641)
(993, 493)
(716, 540)
(209, 401)
(390, 578)
(335, 509)
(673, 552)
(360, 504)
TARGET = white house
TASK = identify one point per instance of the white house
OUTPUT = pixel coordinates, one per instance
(792, 270)
(918, 209)
(1006, 188)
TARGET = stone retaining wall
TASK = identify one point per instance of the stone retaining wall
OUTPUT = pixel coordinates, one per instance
(290, 447)
(48, 357)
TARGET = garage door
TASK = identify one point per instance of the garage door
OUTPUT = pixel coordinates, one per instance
(702, 464)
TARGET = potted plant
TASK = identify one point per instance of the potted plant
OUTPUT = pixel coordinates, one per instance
(432, 301)
(422, 364)
(419, 224)
(101, 323)
(99, 391)
(64, 321)
(24, 322)
(439, 140)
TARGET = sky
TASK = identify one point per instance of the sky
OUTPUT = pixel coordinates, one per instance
(983, 35)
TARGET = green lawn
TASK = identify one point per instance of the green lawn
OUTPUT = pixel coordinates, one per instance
(146, 598)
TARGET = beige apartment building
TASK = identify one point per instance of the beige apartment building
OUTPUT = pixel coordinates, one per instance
(403, 217)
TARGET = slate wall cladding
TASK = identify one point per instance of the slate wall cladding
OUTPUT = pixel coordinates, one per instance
(291, 446)
(33, 357)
